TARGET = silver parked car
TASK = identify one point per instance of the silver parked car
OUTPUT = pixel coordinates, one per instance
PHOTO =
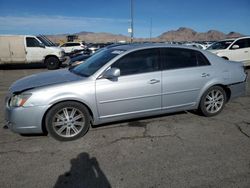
(123, 82)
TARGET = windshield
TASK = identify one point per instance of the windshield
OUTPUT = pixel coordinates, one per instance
(45, 42)
(221, 45)
(95, 62)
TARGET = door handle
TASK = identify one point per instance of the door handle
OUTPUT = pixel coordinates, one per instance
(245, 51)
(154, 81)
(205, 74)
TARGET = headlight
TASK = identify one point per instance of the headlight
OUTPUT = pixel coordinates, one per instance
(19, 100)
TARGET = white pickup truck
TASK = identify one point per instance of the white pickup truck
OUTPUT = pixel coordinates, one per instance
(30, 49)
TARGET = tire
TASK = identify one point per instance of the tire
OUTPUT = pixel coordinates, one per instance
(213, 101)
(52, 63)
(67, 121)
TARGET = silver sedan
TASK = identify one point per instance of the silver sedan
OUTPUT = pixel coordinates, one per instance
(123, 82)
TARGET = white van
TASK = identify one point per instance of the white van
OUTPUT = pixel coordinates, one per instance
(233, 49)
(30, 49)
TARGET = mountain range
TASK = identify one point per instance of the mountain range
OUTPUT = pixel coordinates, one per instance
(181, 34)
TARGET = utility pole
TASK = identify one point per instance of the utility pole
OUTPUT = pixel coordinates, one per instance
(150, 29)
(132, 20)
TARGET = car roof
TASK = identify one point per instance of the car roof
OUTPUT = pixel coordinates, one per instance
(134, 46)
(71, 42)
(233, 39)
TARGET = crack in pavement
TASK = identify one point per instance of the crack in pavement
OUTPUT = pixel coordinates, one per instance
(18, 140)
(241, 130)
(146, 137)
(18, 151)
(237, 125)
(27, 152)
(145, 134)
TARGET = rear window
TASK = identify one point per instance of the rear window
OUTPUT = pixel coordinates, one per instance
(70, 44)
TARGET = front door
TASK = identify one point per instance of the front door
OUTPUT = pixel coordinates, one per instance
(137, 90)
(242, 53)
(34, 51)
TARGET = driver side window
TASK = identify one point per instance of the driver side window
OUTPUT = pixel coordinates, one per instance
(141, 61)
(242, 43)
(32, 42)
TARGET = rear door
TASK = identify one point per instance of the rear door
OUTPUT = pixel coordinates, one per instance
(5, 56)
(185, 72)
(137, 90)
(17, 50)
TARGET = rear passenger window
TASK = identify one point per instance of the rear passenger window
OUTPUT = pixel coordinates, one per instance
(175, 58)
(201, 59)
(141, 61)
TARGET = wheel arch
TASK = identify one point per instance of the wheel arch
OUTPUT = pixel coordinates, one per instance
(225, 87)
(224, 57)
(44, 129)
(48, 56)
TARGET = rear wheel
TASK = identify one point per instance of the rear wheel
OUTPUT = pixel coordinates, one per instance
(52, 63)
(212, 101)
(67, 121)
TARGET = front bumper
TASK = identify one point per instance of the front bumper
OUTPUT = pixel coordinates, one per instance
(62, 59)
(25, 120)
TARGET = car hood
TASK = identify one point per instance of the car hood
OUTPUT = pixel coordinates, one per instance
(216, 51)
(44, 79)
(54, 47)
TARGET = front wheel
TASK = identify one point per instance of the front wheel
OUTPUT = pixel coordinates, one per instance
(67, 121)
(212, 101)
(52, 63)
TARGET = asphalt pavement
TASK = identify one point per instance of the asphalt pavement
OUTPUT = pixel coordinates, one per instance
(176, 150)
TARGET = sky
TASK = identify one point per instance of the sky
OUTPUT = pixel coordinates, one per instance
(113, 16)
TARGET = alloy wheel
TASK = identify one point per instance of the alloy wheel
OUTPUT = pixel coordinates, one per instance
(214, 101)
(68, 122)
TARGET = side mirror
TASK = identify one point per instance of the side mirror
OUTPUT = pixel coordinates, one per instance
(112, 73)
(235, 47)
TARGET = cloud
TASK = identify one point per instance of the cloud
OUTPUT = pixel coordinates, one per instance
(60, 24)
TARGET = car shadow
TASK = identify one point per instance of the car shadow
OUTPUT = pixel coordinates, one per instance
(26, 66)
(137, 120)
(22, 66)
(84, 172)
